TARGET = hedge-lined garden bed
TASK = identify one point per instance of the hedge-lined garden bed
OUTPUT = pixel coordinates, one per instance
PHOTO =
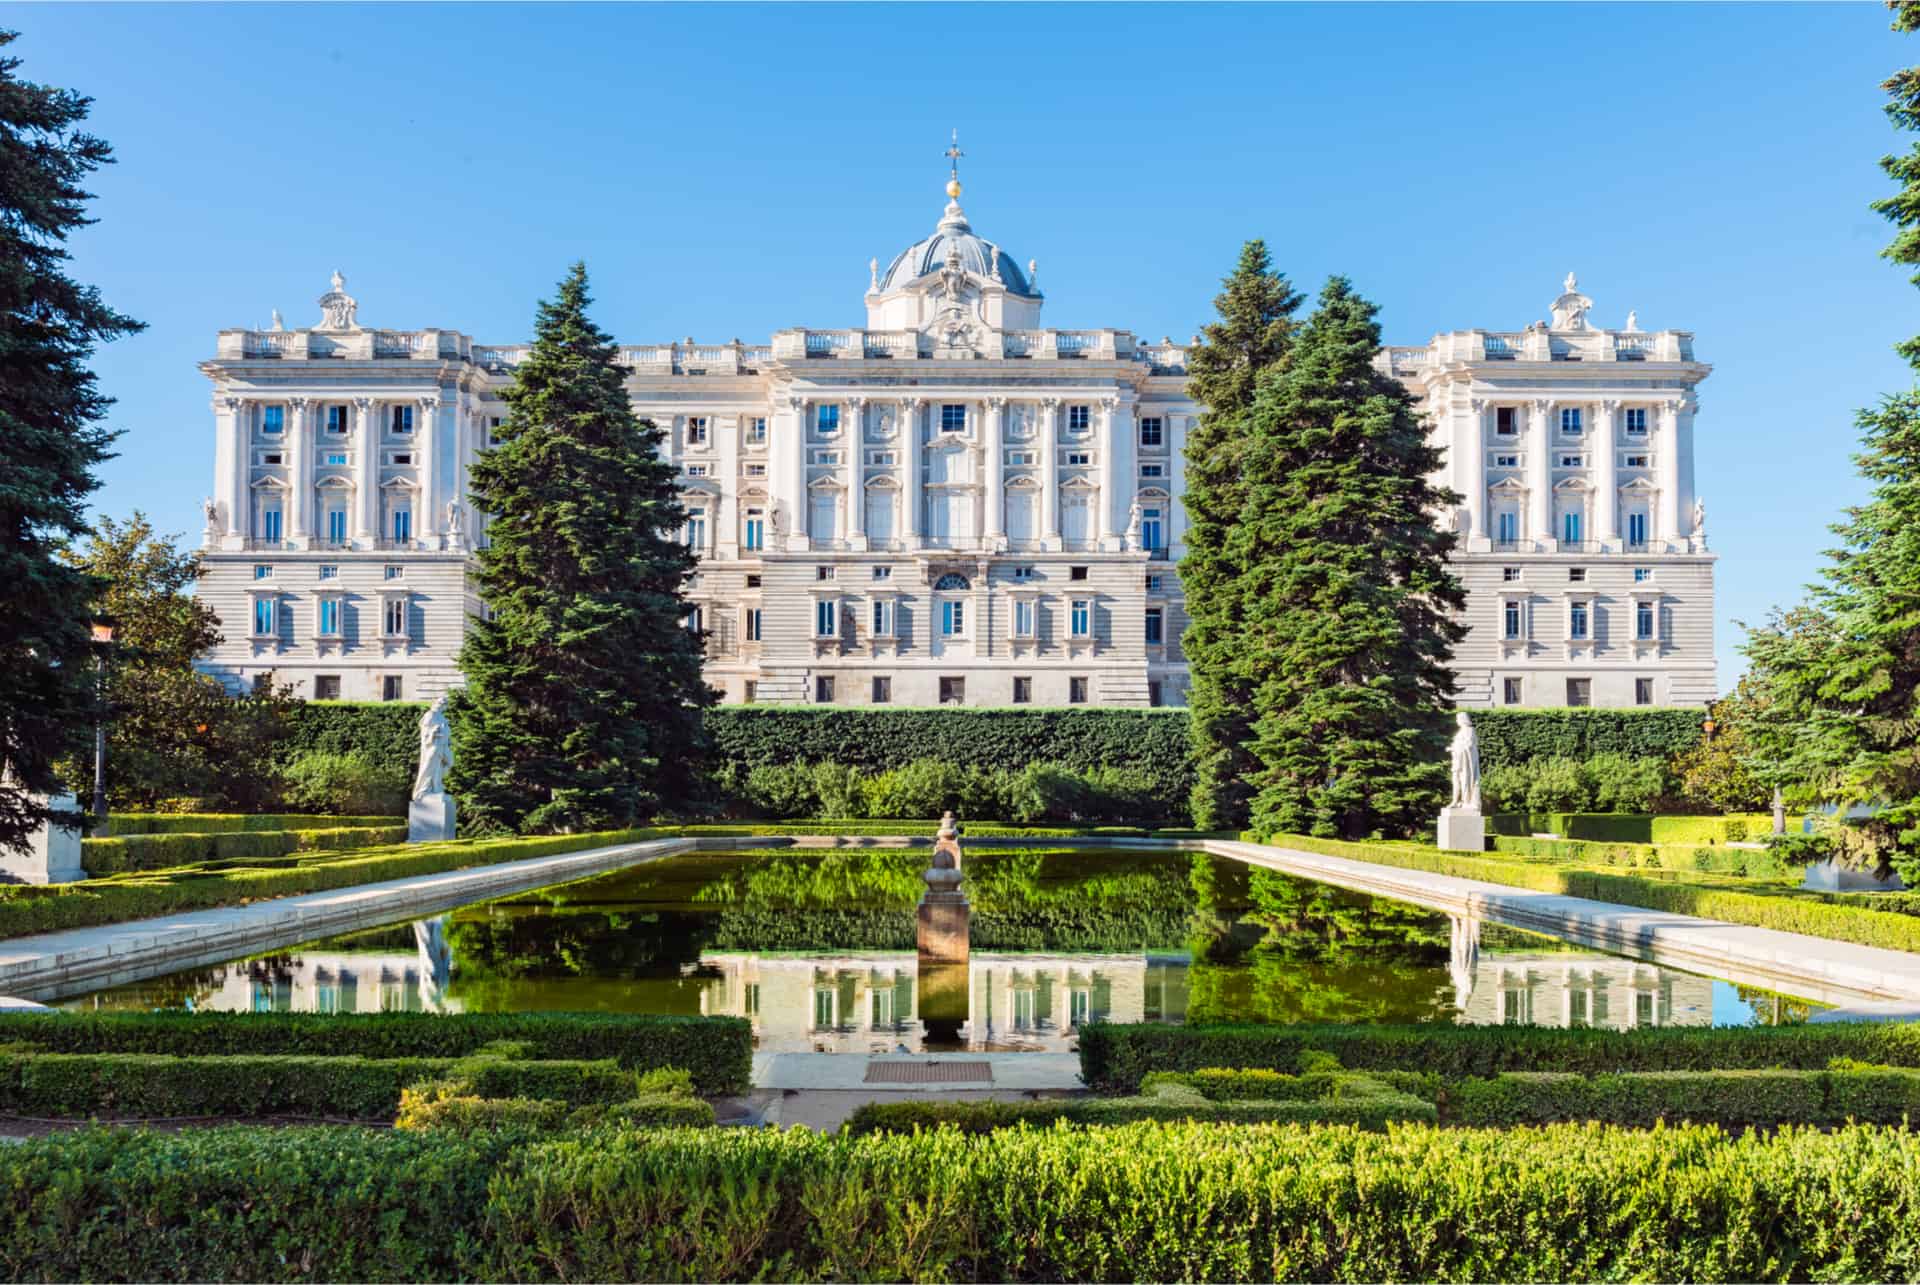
(1749, 863)
(157, 851)
(1118, 1057)
(1147, 1202)
(1634, 827)
(717, 1051)
(125, 823)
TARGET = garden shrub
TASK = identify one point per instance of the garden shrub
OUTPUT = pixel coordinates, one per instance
(1349, 1100)
(447, 1105)
(1150, 1201)
(716, 1053)
(1521, 736)
(352, 783)
(1118, 1057)
(124, 853)
(1557, 785)
(1735, 1098)
(644, 1111)
(121, 824)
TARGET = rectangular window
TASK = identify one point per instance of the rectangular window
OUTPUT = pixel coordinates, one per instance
(1152, 530)
(756, 530)
(1579, 692)
(337, 420)
(755, 470)
(753, 582)
(826, 618)
(1152, 470)
(390, 687)
(1150, 431)
(1637, 530)
(1577, 621)
(1016, 459)
(1637, 420)
(1506, 461)
(329, 573)
(953, 619)
(402, 419)
(1570, 528)
(336, 526)
(753, 624)
(1076, 691)
(696, 620)
(757, 431)
(402, 525)
(263, 572)
(263, 622)
(1642, 574)
(882, 690)
(395, 573)
(1079, 418)
(1506, 421)
(1154, 626)
(1512, 620)
(1079, 457)
(823, 689)
(1023, 618)
(1509, 574)
(1153, 692)
(393, 619)
(1155, 583)
(1643, 691)
(273, 419)
(823, 573)
(883, 573)
(336, 459)
(1645, 621)
(953, 418)
(1638, 461)
(1570, 421)
(1510, 691)
(402, 458)
(883, 618)
(1076, 573)
(748, 691)
(696, 470)
(1082, 618)
(1573, 461)
(326, 687)
(696, 430)
(1023, 573)
(1022, 690)
(696, 528)
(270, 525)
(1507, 527)
(953, 691)
(1576, 575)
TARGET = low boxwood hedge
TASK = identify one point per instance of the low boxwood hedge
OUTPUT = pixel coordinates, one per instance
(123, 853)
(1884, 1095)
(1786, 909)
(1116, 1056)
(1369, 1109)
(1146, 1202)
(120, 824)
(148, 1085)
(1713, 858)
(716, 1051)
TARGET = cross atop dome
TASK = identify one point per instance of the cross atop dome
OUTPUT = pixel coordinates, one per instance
(953, 155)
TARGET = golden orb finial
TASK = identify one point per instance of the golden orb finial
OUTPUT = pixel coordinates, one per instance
(953, 154)
(953, 188)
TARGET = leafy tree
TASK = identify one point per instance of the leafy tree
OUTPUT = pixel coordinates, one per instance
(1345, 588)
(584, 694)
(1253, 332)
(172, 732)
(1722, 773)
(1843, 674)
(51, 439)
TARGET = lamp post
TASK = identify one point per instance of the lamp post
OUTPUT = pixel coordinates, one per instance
(103, 639)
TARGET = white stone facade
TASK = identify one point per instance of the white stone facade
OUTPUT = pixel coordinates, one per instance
(952, 504)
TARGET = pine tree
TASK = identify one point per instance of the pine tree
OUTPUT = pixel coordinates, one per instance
(1255, 325)
(1347, 595)
(1843, 673)
(51, 439)
(584, 692)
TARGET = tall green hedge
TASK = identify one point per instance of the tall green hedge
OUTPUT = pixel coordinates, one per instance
(122, 824)
(1509, 736)
(123, 853)
(1141, 1202)
(386, 732)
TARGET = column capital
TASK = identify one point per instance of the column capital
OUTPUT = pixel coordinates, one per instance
(234, 405)
(1050, 404)
(1543, 405)
(363, 404)
(1479, 405)
(298, 403)
(429, 404)
(996, 403)
(913, 403)
(797, 403)
(858, 403)
(1608, 405)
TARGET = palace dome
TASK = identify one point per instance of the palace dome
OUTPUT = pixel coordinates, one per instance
(976, 255)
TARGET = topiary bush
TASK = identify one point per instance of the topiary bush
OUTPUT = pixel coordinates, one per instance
(345, 784)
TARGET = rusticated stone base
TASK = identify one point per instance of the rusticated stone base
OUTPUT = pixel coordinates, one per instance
(943, 932)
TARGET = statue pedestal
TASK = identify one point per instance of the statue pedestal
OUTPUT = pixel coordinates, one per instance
(430, 818)
(53, 852)
(943, 931)
(942, 994)
(1462, 829)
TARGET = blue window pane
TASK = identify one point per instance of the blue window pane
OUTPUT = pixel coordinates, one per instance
(273, 419)
(829, 419)
(263, 616)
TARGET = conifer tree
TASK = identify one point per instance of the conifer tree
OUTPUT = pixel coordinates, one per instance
(1345, 588)
(584, 693)
(51, 439)
(1843, 673)
(1255, 323)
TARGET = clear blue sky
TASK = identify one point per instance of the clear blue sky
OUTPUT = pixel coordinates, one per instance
(726, 171)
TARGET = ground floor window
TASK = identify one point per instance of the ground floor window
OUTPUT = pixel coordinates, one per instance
(1579, 692)
(1510, 691)
(390, 687)
(1643, 691)
(1153, 692)
(326, 687)
(1076, 691)
(953, 691)
(882, 691)
(749, 691)
(1022, 691)
(823, 689)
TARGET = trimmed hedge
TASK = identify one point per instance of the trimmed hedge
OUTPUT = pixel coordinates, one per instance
(121, 824)
(155, 1085)
(1751, 863)
(1509, 736)
(1149, 1202)
(1784, 908)
(465, 1113)
(123, 853)
(1114, 1056)
(1355, 1100)
(716, 1051)
(1634, 827)
(35, 908)
(1883, 1095)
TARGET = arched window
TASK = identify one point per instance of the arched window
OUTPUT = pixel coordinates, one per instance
(951, 581)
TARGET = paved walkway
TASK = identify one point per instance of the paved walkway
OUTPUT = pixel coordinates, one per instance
(1021, 1072)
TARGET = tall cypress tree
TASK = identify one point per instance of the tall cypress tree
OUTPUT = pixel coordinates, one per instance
(1255, 324)
(584, 694)
(1345, 588)
(51, 439)
(1843, 675)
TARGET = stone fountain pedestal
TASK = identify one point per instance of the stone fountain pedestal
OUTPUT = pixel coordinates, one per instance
(944, 943)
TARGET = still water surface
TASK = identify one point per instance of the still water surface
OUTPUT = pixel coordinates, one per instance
(817, 950)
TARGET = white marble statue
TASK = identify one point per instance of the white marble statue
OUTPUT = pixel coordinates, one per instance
(436, 751)
(1699, 516)
(1466, 764)
(211, 507)
(1133, 526)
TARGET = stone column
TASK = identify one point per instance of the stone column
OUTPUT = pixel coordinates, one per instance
(1606, 482)
(1123, 425)
(1177, 426)
(1470, 466)
(996, 472)
(300, 472)
(366, 474)
(1668, 525)
(1539, 474)
(1104, 527)
(233, 469)
(788, 483)
(1050, 474)
(727, 521)
(856, 438)
(910, 483)
(1683, 462)
(426, 435)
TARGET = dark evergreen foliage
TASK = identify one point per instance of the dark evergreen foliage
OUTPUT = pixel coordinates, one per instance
(584, 697)
(51, 439)
(1349, 605)
(1252, 334)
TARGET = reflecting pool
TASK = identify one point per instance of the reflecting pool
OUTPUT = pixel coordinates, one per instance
(817, 950)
